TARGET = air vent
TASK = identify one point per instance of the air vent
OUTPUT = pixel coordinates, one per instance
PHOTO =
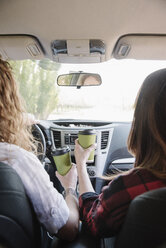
(104, 139)
(57, 138)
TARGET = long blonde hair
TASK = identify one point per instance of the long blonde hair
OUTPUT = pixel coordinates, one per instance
(13, 126)
(147, 138)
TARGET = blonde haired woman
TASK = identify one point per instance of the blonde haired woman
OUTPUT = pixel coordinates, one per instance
(56, 214)
(104, 214)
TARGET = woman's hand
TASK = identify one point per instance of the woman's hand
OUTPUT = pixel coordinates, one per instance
(70, 179)
(81, 154)
(29, 119)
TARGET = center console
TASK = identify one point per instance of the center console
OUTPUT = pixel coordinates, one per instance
(65, 133)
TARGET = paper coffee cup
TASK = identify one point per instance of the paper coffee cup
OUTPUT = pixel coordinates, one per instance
(62, 159)
(86, 138)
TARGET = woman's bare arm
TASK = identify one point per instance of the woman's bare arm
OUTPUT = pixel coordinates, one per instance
(69, 182)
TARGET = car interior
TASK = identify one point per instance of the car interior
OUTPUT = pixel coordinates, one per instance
(79, 37)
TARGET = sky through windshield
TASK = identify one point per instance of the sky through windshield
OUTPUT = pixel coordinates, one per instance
(114, 99)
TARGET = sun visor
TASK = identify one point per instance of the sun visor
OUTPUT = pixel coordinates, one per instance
(20, 47)
(150, 47)
(78, 51)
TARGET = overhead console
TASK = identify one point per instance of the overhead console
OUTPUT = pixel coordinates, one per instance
(78, 51)
(141, 46)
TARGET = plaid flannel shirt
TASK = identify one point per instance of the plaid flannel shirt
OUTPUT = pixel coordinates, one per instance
(102, 215)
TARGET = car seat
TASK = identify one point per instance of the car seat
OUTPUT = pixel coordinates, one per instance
(145, 223)
(19, 227)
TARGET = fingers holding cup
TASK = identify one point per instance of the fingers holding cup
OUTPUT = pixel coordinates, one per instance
(69, 180)
(86, 139)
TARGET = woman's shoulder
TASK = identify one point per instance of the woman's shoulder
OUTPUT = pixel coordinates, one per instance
(133, 176)
(12, 151)
(24, 162)
(137, 171)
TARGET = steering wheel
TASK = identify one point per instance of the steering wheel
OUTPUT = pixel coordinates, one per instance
(39, 136)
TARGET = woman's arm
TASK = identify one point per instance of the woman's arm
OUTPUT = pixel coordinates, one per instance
(81, 156)
(102, 215)
(70, 230)
(56, 214)
(69, 182)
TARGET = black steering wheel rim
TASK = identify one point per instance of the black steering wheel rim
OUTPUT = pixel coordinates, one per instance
(39, 136)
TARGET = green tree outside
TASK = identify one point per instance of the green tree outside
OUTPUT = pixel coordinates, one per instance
(37, 86)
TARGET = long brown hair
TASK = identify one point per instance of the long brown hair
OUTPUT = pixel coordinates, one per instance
(147, 137)
(13, 128)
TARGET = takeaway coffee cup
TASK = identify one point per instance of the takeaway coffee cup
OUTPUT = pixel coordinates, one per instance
(62, 159)
(86, 138)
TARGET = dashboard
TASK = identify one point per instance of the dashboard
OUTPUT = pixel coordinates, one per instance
(111, 154)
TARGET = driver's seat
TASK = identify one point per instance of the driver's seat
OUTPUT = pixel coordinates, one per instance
(18, 224)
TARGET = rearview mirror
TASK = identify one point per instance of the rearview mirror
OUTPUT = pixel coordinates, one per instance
(79, 79)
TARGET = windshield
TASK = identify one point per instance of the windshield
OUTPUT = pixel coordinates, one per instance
(113, 100)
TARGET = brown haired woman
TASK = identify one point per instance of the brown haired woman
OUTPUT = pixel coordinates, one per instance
(56, 214)
(104, 214)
